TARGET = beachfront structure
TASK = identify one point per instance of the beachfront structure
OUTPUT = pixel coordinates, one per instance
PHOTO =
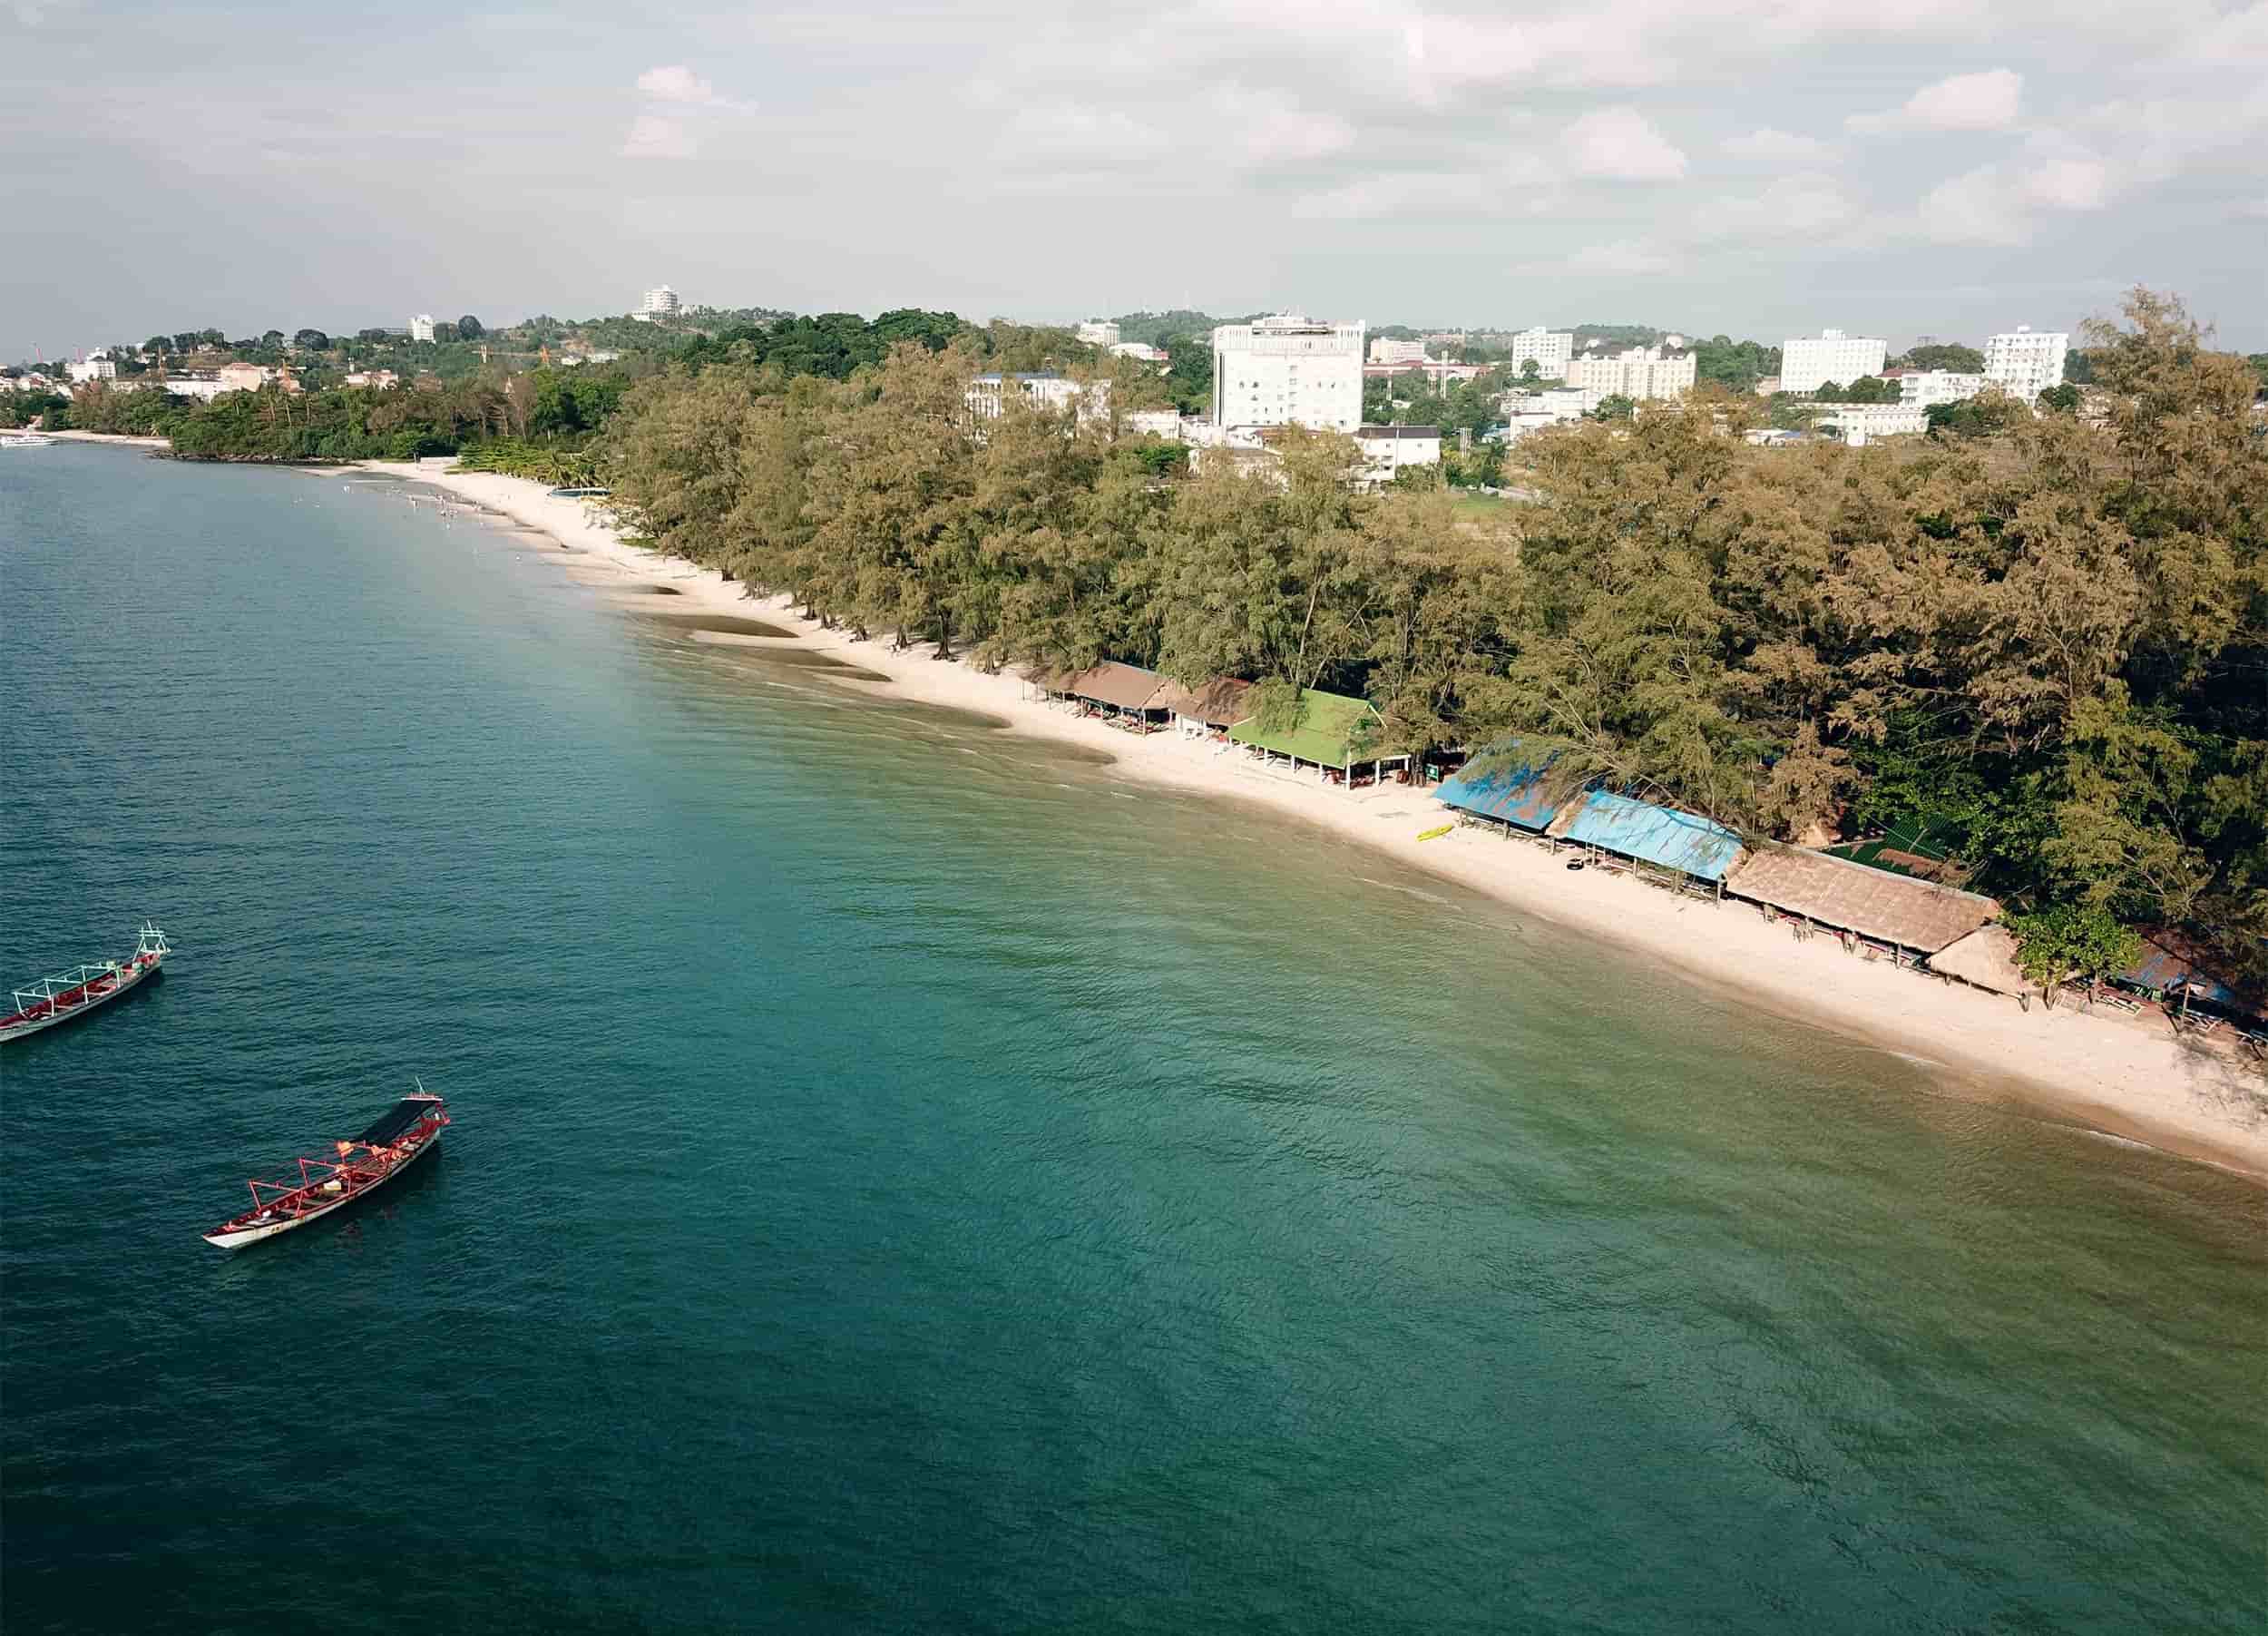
(1335, 735)
(1552, 349)
(1099, 332)
(1809, 362)
(1209, 711)
(1861, 423)
(1288, 370)
(1925, 388)
(1386, 349)
(1137, 697)
(1908, 917)
(421, 327)
(1641, 374)
(1986, 958)
(2026, 362)
(1387, 450)
(1661, 837)
(1512, 798)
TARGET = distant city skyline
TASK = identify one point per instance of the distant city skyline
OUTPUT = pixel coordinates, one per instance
(1762, 172)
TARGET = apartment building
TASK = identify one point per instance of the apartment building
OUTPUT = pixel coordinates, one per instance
(1288, 370)
(421, 327)
(1390, 449)
(2026, 362)
(1099, 332)
(1809, 362)
(1861, 423)
(660, 302)
(1923, 388)
(1385, 349)
(1641, 374)
(1553, 350)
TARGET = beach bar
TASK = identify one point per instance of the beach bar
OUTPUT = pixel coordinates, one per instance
(1986, 959)
(1132, 696)
(1693, 848)
(1897, 915)
(1333, 736)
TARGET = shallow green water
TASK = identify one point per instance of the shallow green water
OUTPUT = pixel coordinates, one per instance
(907, 1179)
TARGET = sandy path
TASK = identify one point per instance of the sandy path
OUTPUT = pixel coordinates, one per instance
(2107, 1072)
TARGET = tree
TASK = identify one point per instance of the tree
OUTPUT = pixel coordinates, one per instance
(1960, 361)
(158, 343)
(468, 328)
(445, 331)
(271, 338)
(2063, 942)
(1531, 370)
(1615, 407)
(1870, 389)
(2060, 400)
(314, 340)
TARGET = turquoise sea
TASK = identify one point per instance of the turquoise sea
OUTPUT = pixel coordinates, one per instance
(906, 1179)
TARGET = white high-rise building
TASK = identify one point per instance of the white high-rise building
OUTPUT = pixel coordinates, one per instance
(662, 302)
(1924, 389)
(1288, 370)
(1552, 349)
(2026, 362)
(421, 327)
(1642, 373)
(1810, 362)
(1099, 332)
(1385, 349)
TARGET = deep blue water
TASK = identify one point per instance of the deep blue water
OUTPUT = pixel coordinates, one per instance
(906, 1179)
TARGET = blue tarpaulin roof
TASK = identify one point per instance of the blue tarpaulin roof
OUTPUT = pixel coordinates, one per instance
(2169, 960)
(1657, 835)
(1514, 794)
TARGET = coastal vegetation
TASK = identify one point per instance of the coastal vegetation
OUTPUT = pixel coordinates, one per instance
(2048, 639)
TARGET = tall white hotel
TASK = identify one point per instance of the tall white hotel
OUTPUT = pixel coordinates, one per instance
(1288, 370)
(1809, 362)
(2027, 361)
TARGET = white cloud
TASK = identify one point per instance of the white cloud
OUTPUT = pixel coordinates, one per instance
(1778, 147)
(1621, 145)
(1966, 102)
(656, 136)
(2238, 40)
(1809, 205)
(2006, 203)
(676, 83)
(1623, 258)
(1267, 131)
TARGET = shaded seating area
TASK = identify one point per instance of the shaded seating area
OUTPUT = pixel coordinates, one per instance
(1986, 959)
(1877, 912)
(1208, 711)
(1334, 736)
(1660, 844)
(1509, 800)
(1126, 695)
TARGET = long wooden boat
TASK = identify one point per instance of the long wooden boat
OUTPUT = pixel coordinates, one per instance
(410, 1130)
(74, 992)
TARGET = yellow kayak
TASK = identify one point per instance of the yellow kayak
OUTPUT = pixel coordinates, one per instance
(1434, 835)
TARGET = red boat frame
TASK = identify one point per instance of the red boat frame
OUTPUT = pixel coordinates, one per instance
(303, 1197)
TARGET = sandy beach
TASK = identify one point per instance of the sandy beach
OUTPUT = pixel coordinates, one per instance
(2123, 1076)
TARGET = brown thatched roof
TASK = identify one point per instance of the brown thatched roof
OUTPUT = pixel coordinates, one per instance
(1874, 903)
(1987, 957)
(1126, 687)
(1220, 702)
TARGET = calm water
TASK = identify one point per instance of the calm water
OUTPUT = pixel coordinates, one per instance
(905, 1178)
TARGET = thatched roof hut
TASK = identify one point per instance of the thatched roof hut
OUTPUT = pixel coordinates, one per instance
(1220, 702)
(1874, 903)
(1986, 957)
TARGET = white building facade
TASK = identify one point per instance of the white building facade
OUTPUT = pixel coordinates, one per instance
(421, 327)
(1099, 332)
(1809, 362)
(91, 369)
(1861, 423)
(1385, 349)
(2026, 362)
(1923, 389)
(660, 302)
(1390, 449)
(988, 396)
(1642, 374)
(1553, 350)
(1288, 370)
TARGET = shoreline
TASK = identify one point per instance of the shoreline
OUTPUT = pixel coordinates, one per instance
(2110, 1074)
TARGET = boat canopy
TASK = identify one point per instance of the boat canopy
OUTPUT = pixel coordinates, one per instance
(398, 1118)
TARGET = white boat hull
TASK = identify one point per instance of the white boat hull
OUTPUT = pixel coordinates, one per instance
(245, 1236)
(129, 977)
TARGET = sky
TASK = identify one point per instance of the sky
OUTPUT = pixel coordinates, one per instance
(1759, 168)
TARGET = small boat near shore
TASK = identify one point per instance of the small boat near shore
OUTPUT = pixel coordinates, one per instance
(82, 988)
(26, 440)
(406, 1132)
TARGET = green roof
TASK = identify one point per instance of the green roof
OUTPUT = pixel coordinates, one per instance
(1329, 725)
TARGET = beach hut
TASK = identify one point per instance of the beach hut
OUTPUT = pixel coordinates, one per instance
(1910, 916)
(1335, 735)
(1135, 696)
(1208, 711)
(2176, 968)
(1686, 843)
(1512, 798)
(1986, 958)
